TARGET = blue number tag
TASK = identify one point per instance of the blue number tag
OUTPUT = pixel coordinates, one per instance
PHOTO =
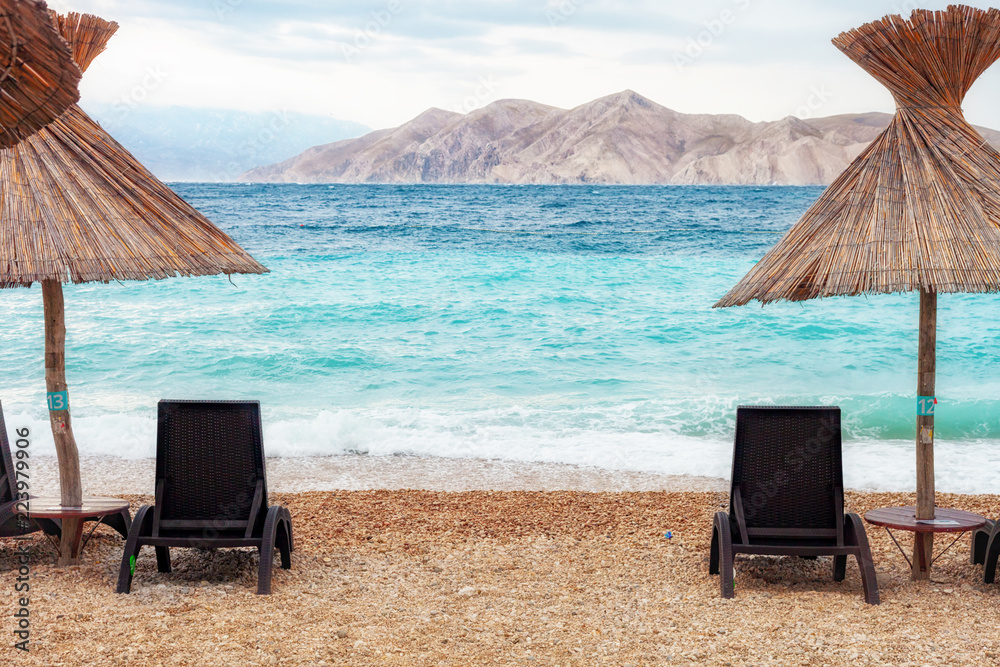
(58, 401)
(925, 406)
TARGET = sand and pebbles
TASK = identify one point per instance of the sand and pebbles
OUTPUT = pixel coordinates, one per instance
(464, 577)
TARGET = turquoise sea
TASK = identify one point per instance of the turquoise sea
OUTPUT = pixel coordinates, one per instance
(559, 324)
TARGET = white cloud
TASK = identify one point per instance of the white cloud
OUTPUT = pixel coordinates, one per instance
(382, 62)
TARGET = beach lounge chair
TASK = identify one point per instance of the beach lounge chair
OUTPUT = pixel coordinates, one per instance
(14, 525)
(211, 489)
(986, 549)
(787, 495)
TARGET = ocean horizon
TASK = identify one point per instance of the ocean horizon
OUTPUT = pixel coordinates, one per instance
(535, 324)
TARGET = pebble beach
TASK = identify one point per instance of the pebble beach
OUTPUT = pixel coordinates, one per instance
(496, 351)
(505, 576)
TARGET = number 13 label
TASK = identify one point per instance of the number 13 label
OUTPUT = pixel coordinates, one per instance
(58, 401)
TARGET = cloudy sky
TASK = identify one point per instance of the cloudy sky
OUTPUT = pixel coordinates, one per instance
(382, 62)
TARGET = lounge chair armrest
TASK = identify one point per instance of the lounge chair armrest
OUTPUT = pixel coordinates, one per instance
(276, 514)
(854, 530)
(722, 520)
(11, 523)
(7, 510)
(989, 529)
(980, 541)
(142, 522)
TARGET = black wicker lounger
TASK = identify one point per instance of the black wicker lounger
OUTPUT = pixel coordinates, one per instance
(13, 524)
(787, 495)
(986, 549)
(211, 489)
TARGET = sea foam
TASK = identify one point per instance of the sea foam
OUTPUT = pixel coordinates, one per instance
(962, 467)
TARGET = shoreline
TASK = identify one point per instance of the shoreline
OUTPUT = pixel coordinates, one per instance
(105, 476)
(112, 476)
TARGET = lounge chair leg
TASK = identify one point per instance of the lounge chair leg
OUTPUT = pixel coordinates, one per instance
(990, 559)
(977, 554)
(127, 571)
(839, 568)
(284, 541)
(869, 580)
(163, 559)
(266, 564)
(727, 583)
(713, 557)
(131, 551)
(722, 539)
(272, 527)
(855, 535)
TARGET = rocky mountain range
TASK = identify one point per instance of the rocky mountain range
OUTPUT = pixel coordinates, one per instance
(213, 145)
(619, 139)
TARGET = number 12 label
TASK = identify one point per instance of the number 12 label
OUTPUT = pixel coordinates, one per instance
(925, 406)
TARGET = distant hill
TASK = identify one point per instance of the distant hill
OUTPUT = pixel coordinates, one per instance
(181, 144)
(620, 139)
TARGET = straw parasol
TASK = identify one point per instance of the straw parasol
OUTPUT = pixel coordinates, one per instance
(919, 210)
(38, 78)
(77, 207)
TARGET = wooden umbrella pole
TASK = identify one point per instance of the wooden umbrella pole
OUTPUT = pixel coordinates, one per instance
(923, 544)
(62, 429)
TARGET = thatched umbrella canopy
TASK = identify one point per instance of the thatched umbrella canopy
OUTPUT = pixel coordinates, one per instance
(919, 210)
(77, 207)
(38, 78)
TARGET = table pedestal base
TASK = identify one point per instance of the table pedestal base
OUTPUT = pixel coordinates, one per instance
(70, 542)
(923, 556)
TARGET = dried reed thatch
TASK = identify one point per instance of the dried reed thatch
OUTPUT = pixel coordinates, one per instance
(38, 78)
(920, 208)
(75, 206)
